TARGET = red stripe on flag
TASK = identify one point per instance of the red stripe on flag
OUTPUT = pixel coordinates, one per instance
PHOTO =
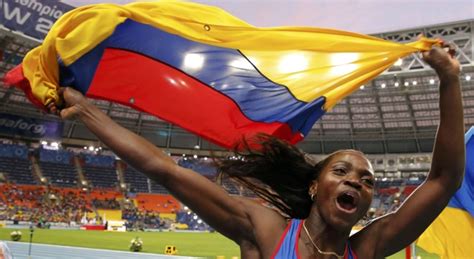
(156, 88)
(16, 78)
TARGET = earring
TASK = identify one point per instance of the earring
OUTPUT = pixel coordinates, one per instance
(312, 196)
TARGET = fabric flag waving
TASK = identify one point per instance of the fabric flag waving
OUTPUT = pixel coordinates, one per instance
(451, 235)
(203, 69)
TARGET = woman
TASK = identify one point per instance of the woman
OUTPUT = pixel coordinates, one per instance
(328, 198)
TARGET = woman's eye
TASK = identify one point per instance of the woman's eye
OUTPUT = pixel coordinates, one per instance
(340, 171)
(368, 181)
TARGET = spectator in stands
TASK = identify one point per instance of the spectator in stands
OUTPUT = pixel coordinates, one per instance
(331, 195)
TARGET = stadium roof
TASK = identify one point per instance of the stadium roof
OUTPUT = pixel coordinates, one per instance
(364, 16)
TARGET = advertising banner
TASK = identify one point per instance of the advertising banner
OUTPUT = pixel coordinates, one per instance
(30, 127)
(31, 17)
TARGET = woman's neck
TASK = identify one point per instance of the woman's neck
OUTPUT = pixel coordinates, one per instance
(325, 237)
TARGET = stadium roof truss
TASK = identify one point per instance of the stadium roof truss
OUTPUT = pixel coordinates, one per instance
(395, 113)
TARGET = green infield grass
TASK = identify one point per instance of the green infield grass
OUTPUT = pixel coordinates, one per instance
(188, 244)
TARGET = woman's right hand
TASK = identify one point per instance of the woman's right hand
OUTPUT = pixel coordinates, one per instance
(442, 60)
(73, 103)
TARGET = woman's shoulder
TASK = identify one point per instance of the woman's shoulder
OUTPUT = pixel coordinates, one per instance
(258, 209)
(268, 223)
(365, 241)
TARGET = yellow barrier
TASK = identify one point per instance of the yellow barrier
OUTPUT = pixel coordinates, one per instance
(171, 250)
(110, 214)
(171, 216)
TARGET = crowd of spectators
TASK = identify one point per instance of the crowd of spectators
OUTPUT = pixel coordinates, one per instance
(109, 204)
(141, 220)
(41, 205)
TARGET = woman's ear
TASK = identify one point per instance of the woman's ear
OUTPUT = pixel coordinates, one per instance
(313, 189)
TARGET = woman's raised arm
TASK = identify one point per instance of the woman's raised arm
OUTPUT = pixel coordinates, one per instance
(226, 214)
(395, 231)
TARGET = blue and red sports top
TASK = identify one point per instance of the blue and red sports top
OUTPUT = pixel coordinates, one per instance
(288, 246)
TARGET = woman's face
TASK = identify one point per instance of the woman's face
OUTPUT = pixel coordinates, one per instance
(344, 189)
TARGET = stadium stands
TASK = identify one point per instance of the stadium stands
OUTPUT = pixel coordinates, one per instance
(40, 204)
(158, 188)
(14, 151)
(14, 162)
(157, 203)
(137, 181)
(17, 170)
(63, 175)
(100, 170)
(144, 203)
(202, 166)
(191, 220)
(101, 177)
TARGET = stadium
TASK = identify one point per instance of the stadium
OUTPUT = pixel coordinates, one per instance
(70, 196)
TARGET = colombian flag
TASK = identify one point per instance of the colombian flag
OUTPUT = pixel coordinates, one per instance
(451, 235)
(203, 69)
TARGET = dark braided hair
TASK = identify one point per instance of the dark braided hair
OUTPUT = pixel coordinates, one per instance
(276, 171)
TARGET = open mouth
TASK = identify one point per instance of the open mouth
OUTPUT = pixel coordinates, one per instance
(347, 202)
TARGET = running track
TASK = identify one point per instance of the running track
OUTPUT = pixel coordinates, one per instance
(41, 251)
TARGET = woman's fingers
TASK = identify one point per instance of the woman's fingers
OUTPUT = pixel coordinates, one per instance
(51, 107)
(450, 48)
(68, 113)
(61, 91)
(65, 114)
(54, 108)
(425, 54)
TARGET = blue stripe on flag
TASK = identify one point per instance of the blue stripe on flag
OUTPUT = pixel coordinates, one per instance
(464, 197)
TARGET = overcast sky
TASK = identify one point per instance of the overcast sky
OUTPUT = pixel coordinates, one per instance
(364, 16)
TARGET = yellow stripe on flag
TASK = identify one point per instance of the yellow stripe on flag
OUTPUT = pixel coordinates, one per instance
(451, 235)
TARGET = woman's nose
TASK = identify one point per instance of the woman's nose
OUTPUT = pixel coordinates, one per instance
(353, 183)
